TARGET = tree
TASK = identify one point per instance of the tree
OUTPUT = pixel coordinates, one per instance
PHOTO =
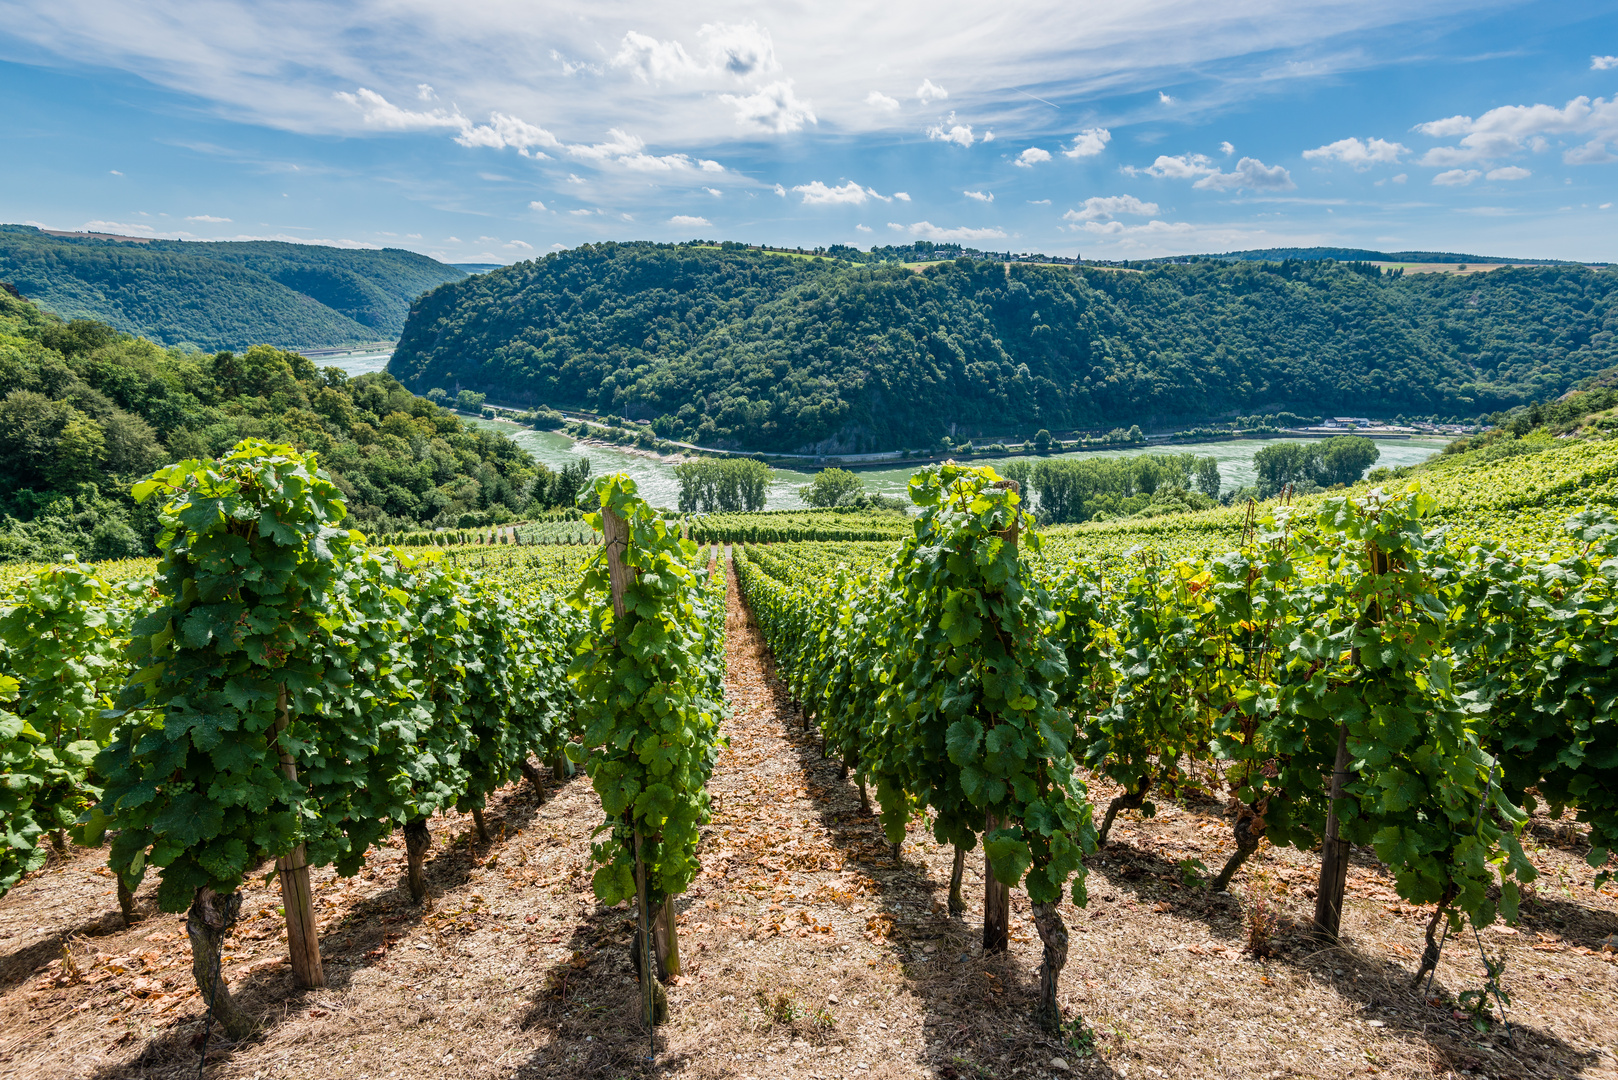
(468, 401)
(1042, 441)
(1208, 477)
(80, 450)
(1281, 464)
(831, 487)
(1344, 459)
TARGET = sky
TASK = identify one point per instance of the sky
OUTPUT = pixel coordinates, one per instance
(499, 131)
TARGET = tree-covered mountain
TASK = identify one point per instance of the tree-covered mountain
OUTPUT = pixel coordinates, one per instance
(218, 295)
(85, 411)
(765, 351)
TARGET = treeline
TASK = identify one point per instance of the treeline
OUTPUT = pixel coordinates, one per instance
(710, 485)
(221, 295)
(1069, 490)
(85, 411)
(743, 349)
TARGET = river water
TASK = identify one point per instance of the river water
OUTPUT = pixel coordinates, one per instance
(656, 483)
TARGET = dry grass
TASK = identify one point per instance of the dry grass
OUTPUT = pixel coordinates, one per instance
(809, 953)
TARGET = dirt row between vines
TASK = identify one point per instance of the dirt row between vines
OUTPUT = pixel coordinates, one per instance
(809, 952)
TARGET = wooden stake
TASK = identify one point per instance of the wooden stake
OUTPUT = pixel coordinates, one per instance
(997, 896)
(655, 945)
(996, 900)
(1333, 852)
(654, 1002)
(666, 938)
(297, 897)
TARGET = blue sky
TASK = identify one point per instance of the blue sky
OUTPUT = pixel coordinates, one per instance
(495, 131)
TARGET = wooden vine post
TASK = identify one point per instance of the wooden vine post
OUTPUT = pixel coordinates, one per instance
(1333, 882)
(297, 899)
(657, 949)
(996, 894)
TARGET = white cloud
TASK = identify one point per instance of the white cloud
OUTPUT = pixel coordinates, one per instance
(959, 134)
(519, 245)
(206, 217)
(689, 220)
(1104, 207)
(1032, 156)
(425, 92)
(378, 112)
(575, 178)
(115, 172)
(774, 109)
(710, 166)
(502, 131)
(537, 206)
(781, 191)
(1227, 148)
(581, 212)
(1401, 178)
(742, 50)
(1511, 129)
(1250, 173)
(1603, 63)
(1594, 152)
(1089, 143)
(926, 230)
(928, 92)
(880, 100)
(863, 228)
(1039, 202)
(902, 196)
(715, 192)
(573, 67)
(980, 196)
(1183, 167)
(1149, 229)
(1605, 206)
(1164, 98)
(816, 193)
(1361, 155)
(1456, 177)
(1509, 172)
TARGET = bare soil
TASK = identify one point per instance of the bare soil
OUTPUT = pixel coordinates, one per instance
(809, 952)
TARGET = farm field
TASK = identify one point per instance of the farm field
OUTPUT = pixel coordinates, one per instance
(809, 945)
(810, 953)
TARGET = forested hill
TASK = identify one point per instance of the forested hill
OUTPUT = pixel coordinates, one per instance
(86, 411)
(219, 295)
(770, 351)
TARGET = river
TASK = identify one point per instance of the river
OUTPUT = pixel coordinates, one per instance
(656, 482)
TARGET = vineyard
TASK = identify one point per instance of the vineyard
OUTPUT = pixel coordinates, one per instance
(1327, 786)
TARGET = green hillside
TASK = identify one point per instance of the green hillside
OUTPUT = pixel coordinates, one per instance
(86, 411)
(218, 295)
(751, 349)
